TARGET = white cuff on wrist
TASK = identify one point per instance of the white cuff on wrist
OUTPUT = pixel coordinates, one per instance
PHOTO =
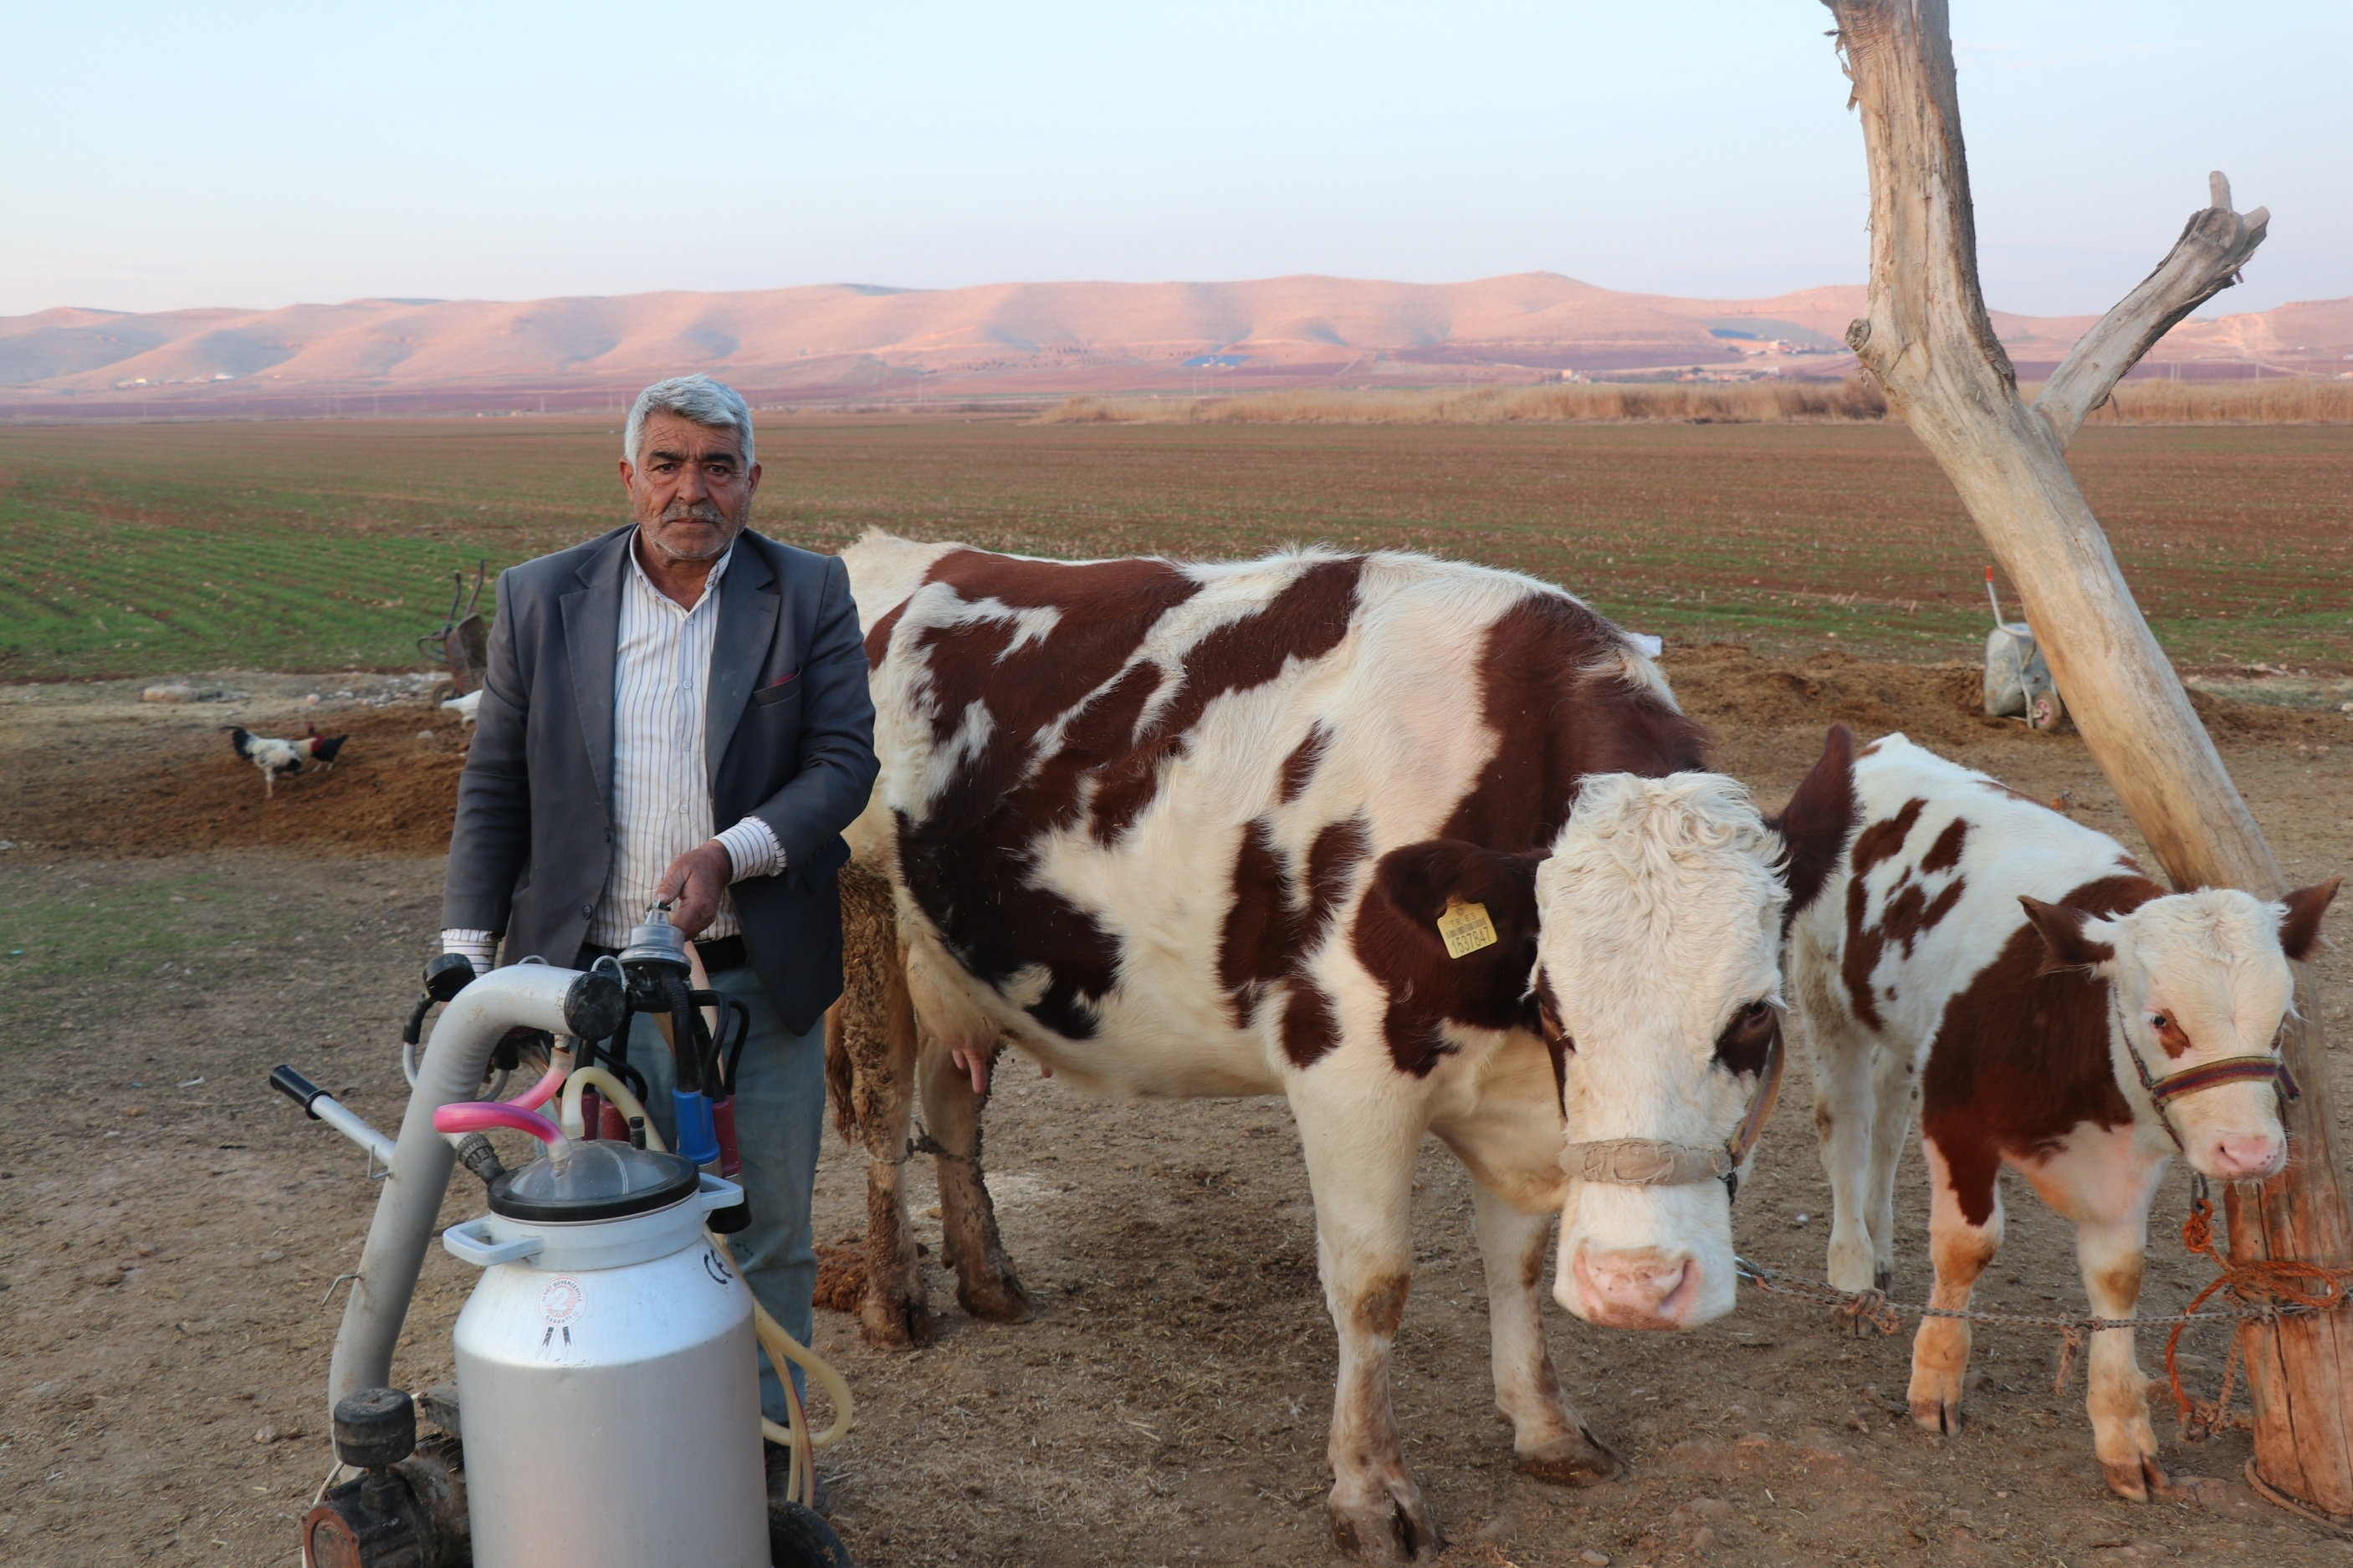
(480, 947)
(751, 849)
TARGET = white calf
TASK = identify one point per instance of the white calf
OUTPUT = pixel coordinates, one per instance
(2048, 1007)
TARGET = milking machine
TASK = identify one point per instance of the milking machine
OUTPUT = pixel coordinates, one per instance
(606, 1408)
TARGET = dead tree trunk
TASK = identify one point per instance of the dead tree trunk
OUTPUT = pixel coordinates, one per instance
(1929, 343)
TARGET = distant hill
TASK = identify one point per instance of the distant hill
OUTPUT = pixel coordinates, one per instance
(853, 342)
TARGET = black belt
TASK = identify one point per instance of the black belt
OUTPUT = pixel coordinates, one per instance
(720, 954)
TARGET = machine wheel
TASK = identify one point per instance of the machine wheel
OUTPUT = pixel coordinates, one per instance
(800, 1538)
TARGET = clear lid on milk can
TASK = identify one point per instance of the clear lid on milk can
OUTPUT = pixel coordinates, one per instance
(599, 1180)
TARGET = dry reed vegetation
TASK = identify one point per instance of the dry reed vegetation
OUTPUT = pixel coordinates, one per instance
(1767, 404)
(2284, 400)
(2149, 401)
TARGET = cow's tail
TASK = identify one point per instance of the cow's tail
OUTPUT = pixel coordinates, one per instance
(870, 1034)
(838, 1076)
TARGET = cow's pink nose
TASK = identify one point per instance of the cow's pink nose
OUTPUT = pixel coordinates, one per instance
(2248, 1159)
(1636, 1289)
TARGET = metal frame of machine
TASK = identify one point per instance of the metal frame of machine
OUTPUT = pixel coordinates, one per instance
(409, 1506)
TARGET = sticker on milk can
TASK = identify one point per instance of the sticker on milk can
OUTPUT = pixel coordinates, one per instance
(560, 1305)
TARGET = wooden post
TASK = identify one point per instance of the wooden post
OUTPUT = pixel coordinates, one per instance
(1929, 343)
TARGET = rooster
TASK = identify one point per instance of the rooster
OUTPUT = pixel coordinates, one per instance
(322, 747)
(275, 757)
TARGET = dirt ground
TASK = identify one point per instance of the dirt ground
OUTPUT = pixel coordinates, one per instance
(171, 1233)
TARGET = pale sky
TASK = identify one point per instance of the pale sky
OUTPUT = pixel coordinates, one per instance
(259, 155)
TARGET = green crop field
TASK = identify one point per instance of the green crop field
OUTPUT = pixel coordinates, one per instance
(141, 550)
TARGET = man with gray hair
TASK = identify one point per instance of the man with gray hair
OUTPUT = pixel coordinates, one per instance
(677, 711)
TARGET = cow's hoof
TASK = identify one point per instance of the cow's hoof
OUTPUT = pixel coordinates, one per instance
(1942, 1416)
(998, 1300)
(895, 1325)
(2136, 1477)
(1850, 1273)
(1935, 1392)
(1391, 1530)
(1579, 1459)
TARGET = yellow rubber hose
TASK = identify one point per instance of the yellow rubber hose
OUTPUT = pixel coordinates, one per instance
(799, 1442)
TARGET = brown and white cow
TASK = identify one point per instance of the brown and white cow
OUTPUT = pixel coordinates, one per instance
(1189, 830)
(2015, 975)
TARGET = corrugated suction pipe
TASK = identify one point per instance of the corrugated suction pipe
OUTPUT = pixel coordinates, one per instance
(534, 996)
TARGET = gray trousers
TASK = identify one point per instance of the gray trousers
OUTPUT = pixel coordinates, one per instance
(779, 1118)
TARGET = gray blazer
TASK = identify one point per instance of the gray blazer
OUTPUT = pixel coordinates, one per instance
(790, 739)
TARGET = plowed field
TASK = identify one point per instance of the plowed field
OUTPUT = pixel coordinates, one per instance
(324, 546)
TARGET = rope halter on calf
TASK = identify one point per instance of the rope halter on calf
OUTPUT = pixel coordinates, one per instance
(1654, 1162)
(2163, 1091)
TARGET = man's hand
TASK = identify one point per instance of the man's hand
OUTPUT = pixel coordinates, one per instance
(692, 885)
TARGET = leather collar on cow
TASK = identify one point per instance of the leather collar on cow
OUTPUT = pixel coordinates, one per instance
(2164, 1092)
(1653, 1162)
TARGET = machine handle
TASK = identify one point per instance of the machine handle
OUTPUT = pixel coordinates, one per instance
(467, 1244)
(296, 1088)
(717, 1192)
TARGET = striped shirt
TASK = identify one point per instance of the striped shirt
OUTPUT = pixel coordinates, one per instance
(662, 792)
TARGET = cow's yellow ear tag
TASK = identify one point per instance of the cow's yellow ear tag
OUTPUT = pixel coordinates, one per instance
(1465, 929)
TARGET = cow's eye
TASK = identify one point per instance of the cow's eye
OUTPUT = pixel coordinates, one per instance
(1748, 1038)
(2170, 1034)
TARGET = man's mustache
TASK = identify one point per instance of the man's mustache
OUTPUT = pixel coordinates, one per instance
(701, 511)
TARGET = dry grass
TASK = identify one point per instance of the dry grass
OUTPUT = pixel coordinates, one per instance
(2279, 400)
(2282, 401)
(1767, 404)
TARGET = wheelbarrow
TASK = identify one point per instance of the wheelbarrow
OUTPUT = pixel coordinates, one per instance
(2017, 683)
(462, 645)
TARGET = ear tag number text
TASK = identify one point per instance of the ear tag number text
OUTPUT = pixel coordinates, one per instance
(1465, 929)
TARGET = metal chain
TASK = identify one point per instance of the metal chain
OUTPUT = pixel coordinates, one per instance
(1875, 1307)
(2309, 1288)
(2295, 1280)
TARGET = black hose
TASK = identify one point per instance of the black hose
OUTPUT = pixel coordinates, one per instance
(708, 1040)
(686, 1034)
(635, 1079)
(741, 1016)
(584, 1056)
(612, 1054)
(619, 1065)
(725, 1052)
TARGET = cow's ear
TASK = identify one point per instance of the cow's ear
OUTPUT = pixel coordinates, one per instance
(2300, 924)
(1816, 822)
(2068, 940)
(1421, 880)
(1399, 938)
